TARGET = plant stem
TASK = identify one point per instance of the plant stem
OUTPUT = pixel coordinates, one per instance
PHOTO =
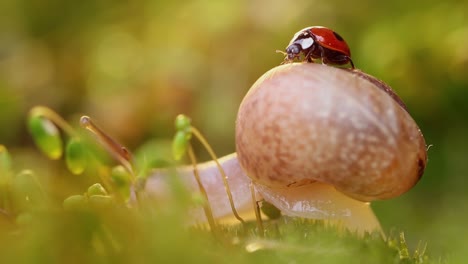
(207, 146)
(118, 151)
(258, 216)
(55, 118)
(206, 206)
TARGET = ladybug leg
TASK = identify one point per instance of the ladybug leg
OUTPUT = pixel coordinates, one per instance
(342, 60)
(351, 62)
(287, 60)
(322, 55)
(308, 56)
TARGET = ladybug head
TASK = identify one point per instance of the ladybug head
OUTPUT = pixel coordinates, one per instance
(293, 51)
(301, 42)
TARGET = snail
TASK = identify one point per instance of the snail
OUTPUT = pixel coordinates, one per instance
(316, 142)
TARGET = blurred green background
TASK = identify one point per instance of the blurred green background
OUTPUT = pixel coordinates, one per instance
(133, 66)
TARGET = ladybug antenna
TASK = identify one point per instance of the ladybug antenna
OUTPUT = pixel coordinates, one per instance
(282, 52)
(286, 60)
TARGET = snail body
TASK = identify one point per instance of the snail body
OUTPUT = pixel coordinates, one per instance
(211, 178)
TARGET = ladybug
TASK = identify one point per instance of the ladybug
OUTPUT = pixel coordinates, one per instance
(319, 43)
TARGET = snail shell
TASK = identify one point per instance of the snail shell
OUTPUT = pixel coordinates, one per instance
(302, 123)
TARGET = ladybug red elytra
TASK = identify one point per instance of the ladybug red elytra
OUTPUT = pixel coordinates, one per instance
(319, 43)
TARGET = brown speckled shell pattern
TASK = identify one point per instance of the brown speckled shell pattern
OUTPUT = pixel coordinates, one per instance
(301, 123)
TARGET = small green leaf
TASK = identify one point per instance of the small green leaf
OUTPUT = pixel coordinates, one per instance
(75, 202)
(120, 176)
(5, 168)
(5, 178)
(96, 189)
(179, 145)
(75, 156)
(46, 136)
(182, 123)
(100, 201)
(27, 190)
(121, 179)
(5, 160)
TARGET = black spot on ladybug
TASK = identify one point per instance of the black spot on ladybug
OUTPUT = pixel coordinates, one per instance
(337, 36)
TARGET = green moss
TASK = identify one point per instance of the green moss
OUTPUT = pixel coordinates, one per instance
(115, 234)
